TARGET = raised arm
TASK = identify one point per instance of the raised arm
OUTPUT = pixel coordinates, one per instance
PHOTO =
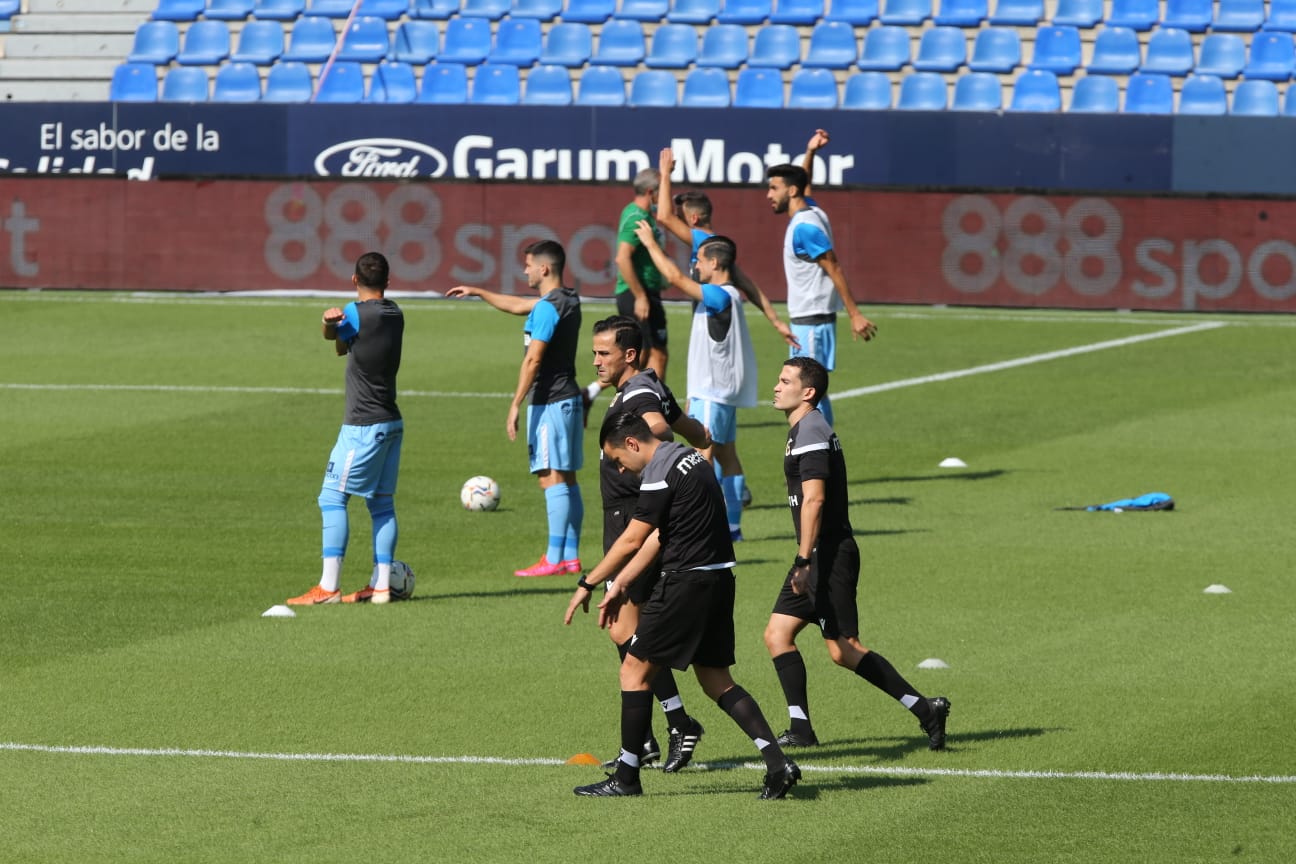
(817, 142)
(665, 201)
(752, 292)
(669, 269)
(510, 303)
(332, 318)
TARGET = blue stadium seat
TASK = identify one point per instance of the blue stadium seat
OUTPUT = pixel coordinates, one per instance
(961, 13)
(237, 82)
(179, 10)
(492, 10)
(1191, 15)
(977, 91)
(1018, 13)
(548, 85)
(366, 40)
(1240, 16)
(259, 42)
(1282, 16)
(621, 43)
(706, 88)
(867, 91)
(1078, 13)
(1255, 99)
(416, 41)
(643, 10)
(1095, 94)
(434, 10)
(1170, 52)
(388, 10)
(341, 83)
(392, 83)
(206, 43)
(444, 84)
(674, 46)
(832, 46)
(496, 84)
(1057, 50)
(758, 87)
(229, 10)
(923, 91)
(186, 84)
(467, 41)
(1222, 54)
(1137, 15)
(941, 49)
(311, 41)
(813, 88)
(278, 10)
(601, 85)
(655, 88)
(906, 13)
(996, 49)
(1289, 102)
(567, 44)
(330, 8)
(134, 82)
(861, 13)
(1272, 57)
(589, 11)
(777, 46)
(9, 8)
(797, 12)
(744, 11)
(886, 49)
(518, 41)
(542, 10)
(288, 81)
(1116, 51)
(1203, 94)
(693, 11)
(724, 46)
(1149, 94)
(1036, 90)
(156, 42)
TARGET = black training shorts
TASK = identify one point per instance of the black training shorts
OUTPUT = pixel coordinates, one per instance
(615, 519)
(655, 327)
(832, 609)
(688, 620)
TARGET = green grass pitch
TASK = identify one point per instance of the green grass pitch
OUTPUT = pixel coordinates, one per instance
(161, 459)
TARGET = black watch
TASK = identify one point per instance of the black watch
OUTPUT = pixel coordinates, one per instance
(798, 561)
(581, 583)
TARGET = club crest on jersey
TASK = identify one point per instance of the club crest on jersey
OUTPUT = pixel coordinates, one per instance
(787, 451)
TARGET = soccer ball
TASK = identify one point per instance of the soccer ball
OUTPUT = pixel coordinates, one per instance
(402, 581)
(480, 493)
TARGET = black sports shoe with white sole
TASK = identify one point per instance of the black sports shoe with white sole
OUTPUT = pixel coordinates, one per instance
(679, 750)
(798, 739)
(935, 727)
(780, 782)
(650, 753)
(609, 788)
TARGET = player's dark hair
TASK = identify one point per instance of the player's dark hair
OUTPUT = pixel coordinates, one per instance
(371, 271)
(696, 202)
(551, 252)
(793, 175)
(628, 332)
(813, 374)
(720, 251)
(622, 425)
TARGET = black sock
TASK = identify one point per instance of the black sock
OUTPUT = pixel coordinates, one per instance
(875, 669)
(667, 693)
(738, 704)
(636, 722)
(791, 671)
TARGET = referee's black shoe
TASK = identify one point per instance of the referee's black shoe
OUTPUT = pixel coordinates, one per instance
(935, 726)
(650, 753)
(798, 739)
(609, 788)
(679, 750)
(780, 782)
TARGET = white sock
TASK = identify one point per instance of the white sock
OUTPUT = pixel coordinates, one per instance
(382, 577)
(332, 574)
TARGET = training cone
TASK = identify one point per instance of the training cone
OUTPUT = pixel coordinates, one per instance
(953, 462)
(279, 611)
(933, 663)
(584, 759)
(1216, 589)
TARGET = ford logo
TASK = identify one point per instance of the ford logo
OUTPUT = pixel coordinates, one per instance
(380, 157)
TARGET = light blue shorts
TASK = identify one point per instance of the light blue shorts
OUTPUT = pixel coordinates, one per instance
(818, 341)
(556, 436)
(720, 419)
(366, 459)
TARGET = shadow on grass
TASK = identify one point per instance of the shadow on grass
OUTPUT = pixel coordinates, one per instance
(881, 532)
(564, 590)
(884, 749)
(919, 478)
(862, 502)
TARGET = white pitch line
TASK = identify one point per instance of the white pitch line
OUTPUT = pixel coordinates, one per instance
(987, 774)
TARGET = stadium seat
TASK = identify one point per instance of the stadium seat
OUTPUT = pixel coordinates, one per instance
(724, 46)
(330, 8)
(601, 85)
(1057, 50)
(288, 81)
(905, 13)
(744, 11)
(1282, 16)
(813, 88)
(1271, 57)
(237, 82)
(365, 41)
(674, 46)
(922, 91)
(655, 88)
(206, 43)
(1257, 98)
(777, 46)
(134, 82)
(417, 42)
(621, 43)
(706, 88)
(941, 49)
(496, 84)
(643, 10)
(1203, 94)
(278, 10)
(1222, 54)
(1191, 15)
(1169, 52)
(311, 41)
(867, 91)
(229, 10)
(1289, 102)
(343, 82)
(492, 10)
(9, 8)
(978, 91)
(467, 41)
(797, 12)
(961, 13)
(1137, 15)
(259, 42)
(542, 10)
(886, 49)
(1078, 13)
(1240, 16)
(388, 10)
(1149, 94)
(567, 44)
(1095, 94)
(1036, 90)
(832, 46)
(758, 88)
(179, 10)
(548, 85)
(156, 42)
(518, 41)
(1018, 13)
(860, 13)
(693, 11)
(435, 10)
(185, 84)
(996, 49)
(589, 11)
(392, 83)
(1116, 51)
(444, 84)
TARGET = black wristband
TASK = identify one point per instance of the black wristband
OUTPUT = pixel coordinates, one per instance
(581, 583)
(798, 561)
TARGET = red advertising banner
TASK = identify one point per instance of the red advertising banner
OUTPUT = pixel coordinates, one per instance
(896, 247)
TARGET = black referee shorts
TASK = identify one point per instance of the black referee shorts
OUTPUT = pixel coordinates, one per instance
(655, 327)
(616, 517)
(832, 604)
(688, 620)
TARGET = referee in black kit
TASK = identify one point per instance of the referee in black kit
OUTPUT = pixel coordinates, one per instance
(688, 619)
